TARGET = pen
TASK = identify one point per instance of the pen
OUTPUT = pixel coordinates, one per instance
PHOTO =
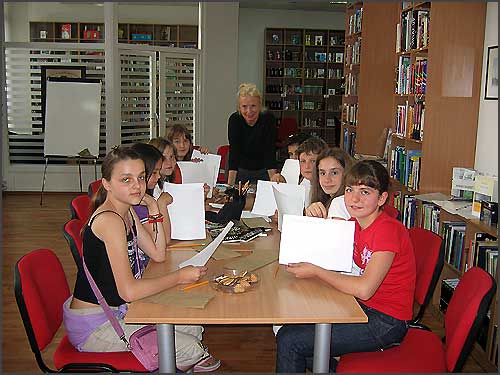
(195, 285)
(181, 245)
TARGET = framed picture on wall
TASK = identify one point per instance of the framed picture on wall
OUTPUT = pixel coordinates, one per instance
(491, 86)
(57, 71)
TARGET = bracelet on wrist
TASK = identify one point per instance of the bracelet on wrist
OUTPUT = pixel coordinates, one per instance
(156, 218)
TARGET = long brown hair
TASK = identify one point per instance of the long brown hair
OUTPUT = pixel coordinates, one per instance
(116, 155)
(180, 130)
(161, 144)
(317, 193)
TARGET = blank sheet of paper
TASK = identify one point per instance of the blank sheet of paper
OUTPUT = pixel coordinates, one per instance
(290, 200)
(213, 163)
(291, 171)
(187, 211)
(264, 203)
(204, 255)
(326, 243)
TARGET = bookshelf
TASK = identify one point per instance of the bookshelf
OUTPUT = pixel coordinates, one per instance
(434, 112)
(184, 36)
(303, 78)
(368, 72)
(459, 230)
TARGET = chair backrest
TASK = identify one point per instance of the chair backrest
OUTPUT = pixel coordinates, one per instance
(223, 151)
(93, 187)
(465, 313)
(287, 127)
(41, 288)
(72, 233)
(80, 207)
(429, 258)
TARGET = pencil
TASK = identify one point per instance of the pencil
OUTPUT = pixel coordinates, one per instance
(181, 245)
(277, 269)
(195, 285)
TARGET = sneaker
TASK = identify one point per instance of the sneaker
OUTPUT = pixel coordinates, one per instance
(207, 364)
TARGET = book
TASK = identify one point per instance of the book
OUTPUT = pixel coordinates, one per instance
(240, 232)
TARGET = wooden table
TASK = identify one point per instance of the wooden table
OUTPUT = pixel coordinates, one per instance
(276, 300)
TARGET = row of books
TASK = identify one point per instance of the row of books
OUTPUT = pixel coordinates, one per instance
(411, 78)
(350, 113)
(355, 21)
(405, 166)
(351, 84)
(353, 53)
(430, 217)
(413, 30)
(410, 117)
(453, 234)
(409, 211)
(349, 141)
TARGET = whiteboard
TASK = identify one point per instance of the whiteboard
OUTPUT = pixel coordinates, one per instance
(72, 117)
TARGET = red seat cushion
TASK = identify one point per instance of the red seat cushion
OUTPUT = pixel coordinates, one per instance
(421, 351)
(67, 354)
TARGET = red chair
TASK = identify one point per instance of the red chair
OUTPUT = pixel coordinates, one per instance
(196, 148)
(94, 186)
(391, 211)
(288, 126)
(423, 351)
(223, 151)
(80, 207)
(177, 175)
(429, 258)
(72, 232)
(41, 288)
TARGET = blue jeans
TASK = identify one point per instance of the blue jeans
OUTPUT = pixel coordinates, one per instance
(295, 343)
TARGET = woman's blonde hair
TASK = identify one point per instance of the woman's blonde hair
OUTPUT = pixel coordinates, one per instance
(247, 89)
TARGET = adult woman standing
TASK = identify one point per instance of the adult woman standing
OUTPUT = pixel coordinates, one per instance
(252, 138)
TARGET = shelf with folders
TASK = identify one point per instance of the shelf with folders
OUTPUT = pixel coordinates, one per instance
(303, 79)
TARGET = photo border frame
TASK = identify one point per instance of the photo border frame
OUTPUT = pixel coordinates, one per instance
(489, 65)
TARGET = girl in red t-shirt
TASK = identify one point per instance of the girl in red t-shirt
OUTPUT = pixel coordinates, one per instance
(384, 288)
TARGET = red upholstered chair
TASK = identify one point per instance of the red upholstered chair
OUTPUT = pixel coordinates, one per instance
(429, 259)
(177, 175)
(423, 351)
(80, 207)
(391, 211)
(93, 187)
(41, 289)
(223, 151)
(72, 232)
(196, 148)
(288, 126)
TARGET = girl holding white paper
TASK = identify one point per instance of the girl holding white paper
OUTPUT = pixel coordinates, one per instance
(385, 288)
(327, 184)
(110, 241)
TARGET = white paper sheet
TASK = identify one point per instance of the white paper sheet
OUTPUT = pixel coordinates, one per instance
(291, 171)
(187, 211)
(196, 172)
(213, 162)
(201, 258)
(264, 203)
(324, 242)
(307, 184)
(289, 201)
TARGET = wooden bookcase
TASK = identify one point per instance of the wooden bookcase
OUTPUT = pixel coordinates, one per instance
(303, 78)
(368, 71)
(453, 56)
(184, 36)
(472, 226)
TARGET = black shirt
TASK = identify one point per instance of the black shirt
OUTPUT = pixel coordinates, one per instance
(252, 147)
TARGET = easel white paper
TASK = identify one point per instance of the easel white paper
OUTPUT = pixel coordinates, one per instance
(264, 203)
(213, 162)
(187, 211)
(291, 171)
(328, 243)
(201, 258)
(289, 202)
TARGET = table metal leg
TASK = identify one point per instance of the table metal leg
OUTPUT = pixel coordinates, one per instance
(43, 179)
(166, 348)
(322, 339)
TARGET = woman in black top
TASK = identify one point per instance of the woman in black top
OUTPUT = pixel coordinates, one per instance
(252, 138)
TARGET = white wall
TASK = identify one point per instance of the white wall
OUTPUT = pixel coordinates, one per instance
(252, 25)
(487, 132)
(219, 25)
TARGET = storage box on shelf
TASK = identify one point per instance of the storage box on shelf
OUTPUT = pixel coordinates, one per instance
(468, 242)
(303, 78)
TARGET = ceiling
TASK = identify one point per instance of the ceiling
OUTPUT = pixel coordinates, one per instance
(308, 5)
